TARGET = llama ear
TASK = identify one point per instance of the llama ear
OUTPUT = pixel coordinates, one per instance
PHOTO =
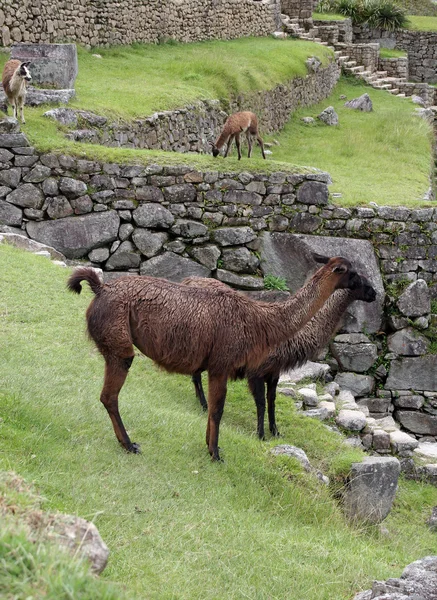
(340, 269)
(210, 142)
(319, 258)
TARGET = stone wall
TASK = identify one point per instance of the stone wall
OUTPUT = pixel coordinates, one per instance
(302, 9)
(334, 31)
(421, 47)
(103, 23)
(364, 54)
(395, 67)
(190, 129)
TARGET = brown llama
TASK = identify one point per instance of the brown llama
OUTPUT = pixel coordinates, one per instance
(14, 79)
(303, 346)
(185, 329)
(241, 122)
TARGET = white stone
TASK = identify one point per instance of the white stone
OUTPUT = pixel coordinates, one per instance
(310, 370)
(401, 442)
(309, 396)
(427, 449)
(388, 424)
(330, 407)
(353, 420)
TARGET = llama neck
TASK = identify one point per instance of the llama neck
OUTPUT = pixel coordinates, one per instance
(222, 139)
(283, 320)
(16, 82)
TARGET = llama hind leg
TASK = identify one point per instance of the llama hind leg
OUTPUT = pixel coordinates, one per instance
(116, 370)
(198, 387)
(216, 402)
(249, 144)
(257, 388)
(272, 384)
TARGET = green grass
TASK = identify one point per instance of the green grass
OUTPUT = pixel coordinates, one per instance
(366, 153)
(328, 17)
(387, 53)
(418, 7)
(421, 23)
(178, 525)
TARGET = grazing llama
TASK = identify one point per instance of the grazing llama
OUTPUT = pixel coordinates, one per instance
(241, 122)
(186, 329)
(14, 79)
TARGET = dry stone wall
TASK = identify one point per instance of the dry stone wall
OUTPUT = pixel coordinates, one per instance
(421, 47)
(103, 23)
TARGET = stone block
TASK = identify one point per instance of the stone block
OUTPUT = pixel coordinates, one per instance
(173, 267)
(52, 65)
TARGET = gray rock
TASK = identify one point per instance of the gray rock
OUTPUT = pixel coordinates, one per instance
(356, 356)
(363, 103)
(418, 100)
(23, 242)
(183, 192)
(26, 195)
(125, 257)
(308, 120)
(410, 401)
(329, 116)
(148, 242)
(243, 282)
(153, 216)
(413, 374)
(64, 116)
(206, 255)
(313, 192)
(402, 443)
(311, 370)
(80, 537)
(371, 489)
(9, 125)
(173, 267)
(10, 214)
(50, 187)
(376, 405)
(417, 582)
(415, 301)
(58, 207)
(291, 256)
(13, 140)
(233, 236)
(408, 342)
(352, 420)
(240, 260)
(53, 65)
(72, 188)
(10, 177)
(189, 229)
(38, 174)
(417, 422)
(76, 236)
(313, 64)
(99, 255)
(359, 385)
(309, 396)
(293, 452)
(432, 521)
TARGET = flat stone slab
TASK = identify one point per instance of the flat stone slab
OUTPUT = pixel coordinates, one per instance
(309, 369)
(413, 374)
(427, 450)
(52, 65)
(289, 256)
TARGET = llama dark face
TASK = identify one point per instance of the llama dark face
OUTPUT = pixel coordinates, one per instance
(24, 71)
(366, 292)
(346, 275)
(215, 151)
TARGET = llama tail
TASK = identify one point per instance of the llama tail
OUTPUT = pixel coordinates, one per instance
(84, 274)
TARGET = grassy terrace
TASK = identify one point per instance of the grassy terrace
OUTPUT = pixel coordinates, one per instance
(365, 155)
(178, 526)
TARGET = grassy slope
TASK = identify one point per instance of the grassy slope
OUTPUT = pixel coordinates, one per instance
(421, 23)
(178, 525)
(367, 153)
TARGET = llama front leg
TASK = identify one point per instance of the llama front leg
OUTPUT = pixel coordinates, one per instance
(116, 370)
(261, 143)
(237, 143)
(197, 380)
(249, 143)
(256, 386)
(20, 102)
(272, 384)
(229, 144)
(216, 401)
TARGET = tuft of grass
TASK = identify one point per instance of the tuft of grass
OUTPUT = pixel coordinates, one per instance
(177, 525)
(272, 282)
(387, 53)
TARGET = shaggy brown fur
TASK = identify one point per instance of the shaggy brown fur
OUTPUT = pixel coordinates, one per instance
(241, 122)
(14, 78)
(186, 329)
(303, 346)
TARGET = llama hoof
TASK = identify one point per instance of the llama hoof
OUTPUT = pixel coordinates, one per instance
(134, 448)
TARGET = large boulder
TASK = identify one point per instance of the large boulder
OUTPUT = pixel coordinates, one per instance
(408, 342)
(363, 103)
(76, 236)
(371, 489)
(173, 267)
(354, 352)
(52, 65)
(418, 373)
(291, 256)
(416, 300)
(359, 385)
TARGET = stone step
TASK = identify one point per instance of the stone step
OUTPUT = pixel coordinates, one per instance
(394, 91)
(357, 69)
(381, 73)
(342, 59)
(401, 96)
(382, 86)
(350, 63)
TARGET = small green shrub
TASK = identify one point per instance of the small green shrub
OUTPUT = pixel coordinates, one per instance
(381, 14)
(271, 282)
(434, 307)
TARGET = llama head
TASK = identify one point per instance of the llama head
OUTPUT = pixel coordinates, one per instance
(365, 291)
(215, 150)
(24, 71)
(339, 271)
